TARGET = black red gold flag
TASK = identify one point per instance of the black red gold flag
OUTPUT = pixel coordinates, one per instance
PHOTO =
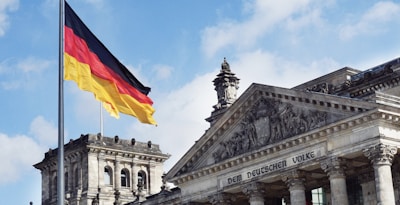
(93, 67)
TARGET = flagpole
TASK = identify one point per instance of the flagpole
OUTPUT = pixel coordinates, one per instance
(101, 120)
(60, 156)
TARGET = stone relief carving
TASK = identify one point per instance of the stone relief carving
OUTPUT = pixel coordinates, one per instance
(321, 88)
(267, 122)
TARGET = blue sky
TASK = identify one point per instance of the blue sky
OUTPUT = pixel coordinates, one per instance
(176, 48)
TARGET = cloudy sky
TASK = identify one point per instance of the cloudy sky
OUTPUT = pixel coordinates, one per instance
(176, 48)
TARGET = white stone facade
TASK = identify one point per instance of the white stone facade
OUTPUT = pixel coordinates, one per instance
(99, 168)
(331, 141)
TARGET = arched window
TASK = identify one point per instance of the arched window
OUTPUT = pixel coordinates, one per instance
(142, 182)
(107, 175)
(124, 178)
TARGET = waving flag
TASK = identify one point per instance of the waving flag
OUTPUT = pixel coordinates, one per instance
(89, 63)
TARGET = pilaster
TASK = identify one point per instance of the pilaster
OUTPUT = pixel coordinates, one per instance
(117, 168)
(133, 177)
(101, 162)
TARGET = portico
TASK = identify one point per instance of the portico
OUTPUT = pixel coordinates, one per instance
(329, 141)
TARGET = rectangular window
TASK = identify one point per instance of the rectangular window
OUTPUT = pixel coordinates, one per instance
(318, 197)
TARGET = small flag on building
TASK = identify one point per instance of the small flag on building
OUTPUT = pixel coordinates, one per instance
(92, 66)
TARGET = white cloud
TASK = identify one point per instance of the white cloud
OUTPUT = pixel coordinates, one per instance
(32, 64)
(46, 132)
(372, 21)
(19, 152)
(6, 6)
(264, 16)
(22, 73)
(263, 67)
(22, 151)
(162, 71)
(85, 106)
(180, 116)
(313, 17)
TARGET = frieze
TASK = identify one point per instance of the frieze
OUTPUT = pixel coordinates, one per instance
(271, 166)
(267, 122)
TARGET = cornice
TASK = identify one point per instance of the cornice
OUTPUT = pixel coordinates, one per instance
(314, 135)
(126, 154)
(248, 98)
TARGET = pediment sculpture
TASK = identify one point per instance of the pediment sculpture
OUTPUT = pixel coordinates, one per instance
(267, 122)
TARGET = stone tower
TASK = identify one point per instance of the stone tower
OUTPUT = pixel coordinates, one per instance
(226, 84)
(103, 170)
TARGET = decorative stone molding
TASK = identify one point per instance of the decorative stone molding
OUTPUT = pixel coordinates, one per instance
(381, 154)
(254, 190)
(226, 85)
(282, 120)
(221, 198)
(334, 167)
(294, 180)
(321, 88)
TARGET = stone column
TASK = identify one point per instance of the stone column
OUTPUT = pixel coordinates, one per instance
(334, 167)
(117, 170)
(101, 162)
(133, 177)
(381, 157)
(152, 188)
(295, 182)
(255, 192)
(368, 187)
(221, 198)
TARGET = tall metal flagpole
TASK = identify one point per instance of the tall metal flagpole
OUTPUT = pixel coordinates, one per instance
(101, 121)
(60, 163)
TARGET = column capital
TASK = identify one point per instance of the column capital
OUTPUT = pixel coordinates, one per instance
(381, 154)
(221, 198)
(334, 167)
(253, 189)
(294, 179)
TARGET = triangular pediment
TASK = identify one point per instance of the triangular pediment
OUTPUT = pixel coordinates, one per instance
(262, 116)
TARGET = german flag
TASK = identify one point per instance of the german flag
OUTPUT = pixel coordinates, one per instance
(89, 63)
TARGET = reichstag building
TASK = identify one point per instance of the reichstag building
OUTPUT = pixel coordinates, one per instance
(329, 141)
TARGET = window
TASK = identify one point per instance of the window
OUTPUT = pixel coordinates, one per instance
(124, 178)
(142, 180)
(107, 175)
(318, 197)
(55, 187)
(66, 181)
(76, 177)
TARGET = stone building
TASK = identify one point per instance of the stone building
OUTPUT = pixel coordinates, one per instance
(332, 140)
(103, 170)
